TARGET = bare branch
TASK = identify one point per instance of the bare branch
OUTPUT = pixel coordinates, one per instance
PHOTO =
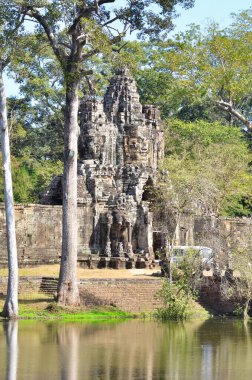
(4, 63)
(80, 37)
(120, 48)
(101, 2)
(31, 12)
(112, 28)
(97, 6)
(89, 54)
(110, 21)
(18, 25)
(228, 107)
(86, 12)
(65, 44)
(30, 20)
(87, 72)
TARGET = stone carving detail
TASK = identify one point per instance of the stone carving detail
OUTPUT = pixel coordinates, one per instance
(120, 145)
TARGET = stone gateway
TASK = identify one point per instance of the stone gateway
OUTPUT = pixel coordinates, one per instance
(120, 145)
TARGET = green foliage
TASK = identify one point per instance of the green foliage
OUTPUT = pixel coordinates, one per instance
(200, 75)
(193, 138)
(37, 148)
(180, 287)
(30, 178)
(208, 166)
(238, 311)
(11, 27)
(176, 302)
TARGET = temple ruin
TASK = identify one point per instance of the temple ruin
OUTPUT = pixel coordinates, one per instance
(120, 145)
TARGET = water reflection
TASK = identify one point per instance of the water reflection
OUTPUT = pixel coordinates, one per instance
(68, 344)
(11, 334)
(211, 350)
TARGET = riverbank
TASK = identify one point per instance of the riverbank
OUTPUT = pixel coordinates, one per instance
(43, 307)
(37, 287)
(104, 293)
(132, 291)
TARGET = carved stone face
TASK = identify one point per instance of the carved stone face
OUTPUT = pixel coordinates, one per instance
(90, 146)
(136, 149)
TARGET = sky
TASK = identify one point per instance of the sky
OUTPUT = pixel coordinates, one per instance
(210, 10)
(203, 12)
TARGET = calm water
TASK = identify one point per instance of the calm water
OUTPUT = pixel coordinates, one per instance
(211, 350)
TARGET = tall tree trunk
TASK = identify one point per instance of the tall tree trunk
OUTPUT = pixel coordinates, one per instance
(68, 293)
(10, 309)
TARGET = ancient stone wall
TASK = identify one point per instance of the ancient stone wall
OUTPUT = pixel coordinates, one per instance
(38, 230)
(126, 294)
(223, 235)
(39, 234)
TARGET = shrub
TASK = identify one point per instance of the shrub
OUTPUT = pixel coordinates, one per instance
(176, 302)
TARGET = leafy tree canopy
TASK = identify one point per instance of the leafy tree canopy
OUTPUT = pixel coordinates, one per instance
(200, 73)
(208, 167)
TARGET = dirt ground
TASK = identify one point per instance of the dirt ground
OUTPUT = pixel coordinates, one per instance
(53, 271)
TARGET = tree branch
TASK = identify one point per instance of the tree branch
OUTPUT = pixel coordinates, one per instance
(11, 35)
(110, 21)
(89, 54)
(68, 46)
(31, 12)
(120, 48)
(19, 23)
(4, 63)
(90, 86)
(116, 39)
(86, 12)
(87, 72)
(101, 2)
(228, 107)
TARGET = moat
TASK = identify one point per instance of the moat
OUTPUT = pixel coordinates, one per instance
(129, 349)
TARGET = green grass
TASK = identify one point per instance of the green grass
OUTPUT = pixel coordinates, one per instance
(53, 311)
(42, 307)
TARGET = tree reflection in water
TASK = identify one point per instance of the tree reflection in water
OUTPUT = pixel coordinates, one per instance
(68, 342)
(11, 333)
(126, 350)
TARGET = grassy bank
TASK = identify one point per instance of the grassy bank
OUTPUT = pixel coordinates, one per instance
(42, 307)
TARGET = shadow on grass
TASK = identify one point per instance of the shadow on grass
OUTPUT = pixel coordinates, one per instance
(34, 300)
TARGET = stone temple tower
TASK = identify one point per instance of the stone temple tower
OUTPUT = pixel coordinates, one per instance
(120, 145)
